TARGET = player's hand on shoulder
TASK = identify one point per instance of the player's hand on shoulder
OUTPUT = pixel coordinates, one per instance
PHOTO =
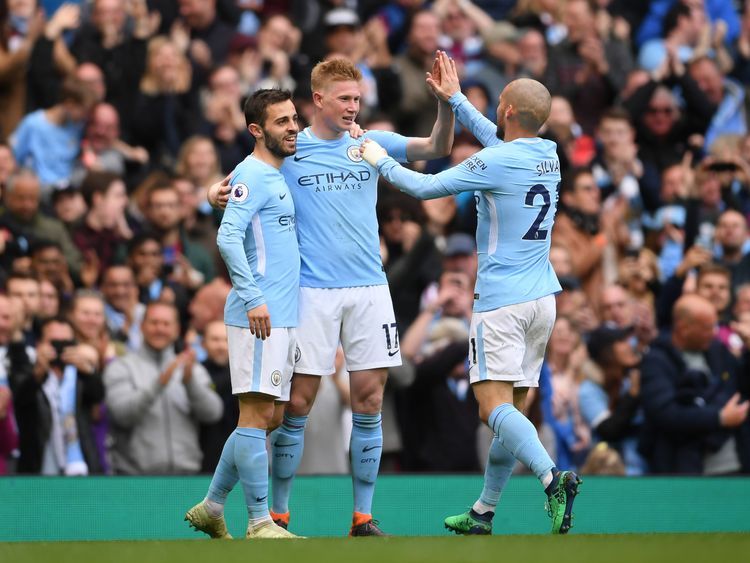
(218, 193)
(259, 320)
(371, 151)
(355, 131)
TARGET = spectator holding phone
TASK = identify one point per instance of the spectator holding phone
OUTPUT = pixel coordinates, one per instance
(53, 401)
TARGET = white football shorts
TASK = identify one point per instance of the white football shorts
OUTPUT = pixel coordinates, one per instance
(508, 344)
(361, 318)
(261, 366)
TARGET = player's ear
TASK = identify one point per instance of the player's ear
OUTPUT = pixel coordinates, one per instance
(317, 99)
(255, 130)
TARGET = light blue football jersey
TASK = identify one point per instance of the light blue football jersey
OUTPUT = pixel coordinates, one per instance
(335, 194)
(516, 186)
(258, 241)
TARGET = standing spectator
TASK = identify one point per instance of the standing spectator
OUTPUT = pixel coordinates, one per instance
(104, 233)
(198, 161)
(727, 95)
(206, 306)
(48, 141)
(587, 68)
(566, 358)
(25, 288)
(191, 264)
(118, 48)
(589, 233)
(222, 109)
(157, 399)
(11, 344)
(146, 259)
(213, 436)
(417, 108)
(609, 398)
(21, 26)
(662, 127)
(123, 312)
(53, 403)
(166, 109)
(102, 148)
(690, 391)
(209, 36)
(25, 221)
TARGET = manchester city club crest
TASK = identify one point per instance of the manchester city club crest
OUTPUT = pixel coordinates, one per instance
(239, 193)
(353, 153)
(276, 378)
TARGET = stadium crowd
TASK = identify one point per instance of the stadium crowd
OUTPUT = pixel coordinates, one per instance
(117, 115)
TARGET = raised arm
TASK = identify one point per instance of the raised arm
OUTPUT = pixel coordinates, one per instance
(470, 175)
(440, 141)
(448, 89)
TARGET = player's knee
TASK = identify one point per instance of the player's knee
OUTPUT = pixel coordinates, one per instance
(368, 402)
(299, 405)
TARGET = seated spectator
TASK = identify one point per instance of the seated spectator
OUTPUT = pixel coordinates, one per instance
(48, 141)
(213, 436)
(53, 403)
(690, 391)
(609, 398)
(157, 400)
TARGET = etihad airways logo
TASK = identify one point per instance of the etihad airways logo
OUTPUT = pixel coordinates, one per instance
(335, 181)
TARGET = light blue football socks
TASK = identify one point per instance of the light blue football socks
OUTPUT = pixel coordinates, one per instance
(287, 445)
(365, 450)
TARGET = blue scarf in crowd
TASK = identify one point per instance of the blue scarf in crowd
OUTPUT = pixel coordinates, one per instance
(64, 439)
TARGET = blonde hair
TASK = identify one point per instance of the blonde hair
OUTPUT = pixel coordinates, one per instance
(334, 70)
(182, 169)
(152, 81)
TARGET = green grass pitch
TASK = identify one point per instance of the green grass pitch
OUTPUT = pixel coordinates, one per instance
(657, 548)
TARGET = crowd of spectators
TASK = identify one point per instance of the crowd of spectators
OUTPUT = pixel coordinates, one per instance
(119, 114)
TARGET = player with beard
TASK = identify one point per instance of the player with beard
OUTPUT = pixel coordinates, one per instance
(344, 294)
(258, 241)
(515, 179)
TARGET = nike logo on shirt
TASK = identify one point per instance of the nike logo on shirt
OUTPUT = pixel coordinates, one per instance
(282, 196)
(370, 448)
(297, 158)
